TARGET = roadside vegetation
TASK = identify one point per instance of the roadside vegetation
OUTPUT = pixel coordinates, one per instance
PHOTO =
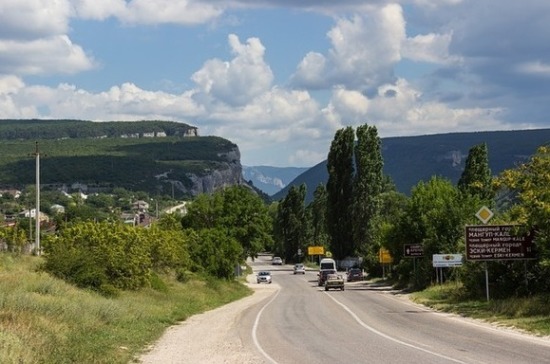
(527, 314)
(46, 320)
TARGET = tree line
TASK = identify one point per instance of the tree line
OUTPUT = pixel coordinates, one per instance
(360, 212)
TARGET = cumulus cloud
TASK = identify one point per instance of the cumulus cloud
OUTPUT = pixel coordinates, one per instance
(31, 19)
(240, 80)
(431, 48)
(56, 54)
(365, 48)
(184, 12)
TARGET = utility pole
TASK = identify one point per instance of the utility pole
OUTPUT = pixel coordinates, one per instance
(37, 211)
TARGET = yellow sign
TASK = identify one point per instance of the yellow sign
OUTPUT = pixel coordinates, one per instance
(384, 256)
(315, 250)
(484, 214)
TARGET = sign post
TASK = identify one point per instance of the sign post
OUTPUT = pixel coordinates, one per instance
(413, 251)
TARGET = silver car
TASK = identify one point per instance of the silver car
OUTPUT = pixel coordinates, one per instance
(299, 268)
(263, 277)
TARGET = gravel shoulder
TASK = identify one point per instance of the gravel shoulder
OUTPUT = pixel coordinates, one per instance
(210, 337)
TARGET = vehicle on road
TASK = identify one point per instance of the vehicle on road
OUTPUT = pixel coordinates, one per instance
(299, 268)
(322, 276)
(277, 261)
(264, 277)
(355, 274)
(327, 263)
(334, 281)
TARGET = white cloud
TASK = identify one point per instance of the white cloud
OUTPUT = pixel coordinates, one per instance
(56, 54)
(364, 50)
(433, 48)
(98, 9)
(239, 81)
(29, 19)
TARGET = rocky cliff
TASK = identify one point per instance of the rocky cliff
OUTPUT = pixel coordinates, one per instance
(229, 172)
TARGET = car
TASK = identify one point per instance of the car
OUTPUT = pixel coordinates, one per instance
(264, 277)
(299, 268)
(277, 261)
(355, 274)
(322, 275)
(334, 281)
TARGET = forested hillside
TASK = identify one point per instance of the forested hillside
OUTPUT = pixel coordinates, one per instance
(409, 160)
(152, 156)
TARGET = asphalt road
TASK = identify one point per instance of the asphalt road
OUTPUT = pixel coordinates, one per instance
(301, 323)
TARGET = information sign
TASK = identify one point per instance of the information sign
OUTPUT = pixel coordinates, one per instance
(413, 250)
(446, 260)
(498, 242)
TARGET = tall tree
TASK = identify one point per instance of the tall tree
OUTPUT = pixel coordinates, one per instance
(367, 188)
(340, 193)
(531, 181)
(317, 212)
(292, 223)
(237, 212)
(476, 179)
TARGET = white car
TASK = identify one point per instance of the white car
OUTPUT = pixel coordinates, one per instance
(299, 268)
(277, 261)
(263, 277)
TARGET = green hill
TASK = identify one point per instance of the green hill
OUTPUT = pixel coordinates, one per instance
(152, 156)
(409, 160)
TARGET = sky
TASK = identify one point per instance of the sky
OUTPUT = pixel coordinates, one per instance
(280, 77)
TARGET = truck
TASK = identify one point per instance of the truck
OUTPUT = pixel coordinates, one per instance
(334, 281)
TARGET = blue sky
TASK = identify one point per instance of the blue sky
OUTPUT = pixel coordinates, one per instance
(279, 77)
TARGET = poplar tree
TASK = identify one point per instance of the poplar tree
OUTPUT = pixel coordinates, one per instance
(367, 184)
(317, 211)
(292, 223)
(476, 179)
(340, 193)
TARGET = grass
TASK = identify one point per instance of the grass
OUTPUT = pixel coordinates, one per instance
(530, 314)
(45, 320)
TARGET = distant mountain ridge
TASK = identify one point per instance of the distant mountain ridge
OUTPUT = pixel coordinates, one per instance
(271, 179)
(409, 160)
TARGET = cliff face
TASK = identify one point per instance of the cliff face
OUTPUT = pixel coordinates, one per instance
(229, 172)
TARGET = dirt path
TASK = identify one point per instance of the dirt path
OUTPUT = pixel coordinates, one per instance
(209, 337)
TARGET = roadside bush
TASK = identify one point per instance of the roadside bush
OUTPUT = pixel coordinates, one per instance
(215, 253)
(95, 255)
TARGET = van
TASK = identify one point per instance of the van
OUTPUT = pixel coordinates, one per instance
(327, 263)
(326, 266)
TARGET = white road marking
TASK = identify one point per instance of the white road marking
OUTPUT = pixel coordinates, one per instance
(255, 327)
(373, 330)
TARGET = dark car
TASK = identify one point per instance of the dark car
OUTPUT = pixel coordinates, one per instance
(322, 276)
(355, 274)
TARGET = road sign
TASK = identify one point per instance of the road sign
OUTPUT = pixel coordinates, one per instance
(384, 256)
(315, 250)
(446, 260)
(498, 242)
(484, 214)
(413, 250)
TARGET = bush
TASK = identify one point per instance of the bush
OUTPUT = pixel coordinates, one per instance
(94, 255)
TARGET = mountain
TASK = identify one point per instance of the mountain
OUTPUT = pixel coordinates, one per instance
(409, 160)
(159, 157)
(271, 179)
